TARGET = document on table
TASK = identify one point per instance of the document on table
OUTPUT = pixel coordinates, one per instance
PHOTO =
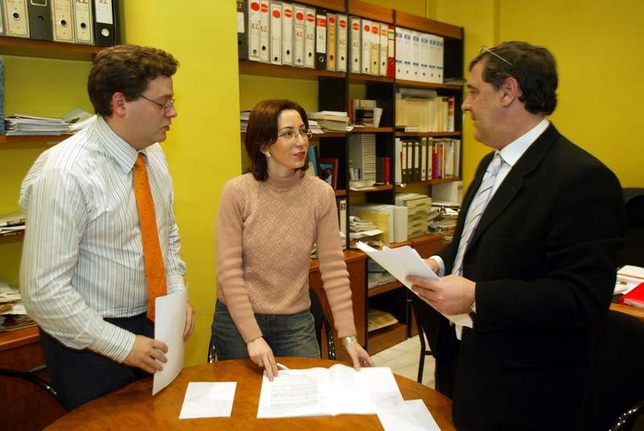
(411, 415)
(328, 392)
(403, 261)
(208, 400)
(168, 327)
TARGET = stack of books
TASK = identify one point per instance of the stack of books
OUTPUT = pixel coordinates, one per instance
(418, 212)
(361, 230)
(331, 120)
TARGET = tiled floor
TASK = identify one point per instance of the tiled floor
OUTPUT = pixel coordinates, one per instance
(403, 360)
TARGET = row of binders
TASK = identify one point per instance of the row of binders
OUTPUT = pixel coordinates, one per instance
(426, 159)
(90, 22)
(283, 33)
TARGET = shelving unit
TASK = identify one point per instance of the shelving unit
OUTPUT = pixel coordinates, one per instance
(334, 91)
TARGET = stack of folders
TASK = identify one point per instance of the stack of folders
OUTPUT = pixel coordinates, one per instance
(90, 22)
(290, 34)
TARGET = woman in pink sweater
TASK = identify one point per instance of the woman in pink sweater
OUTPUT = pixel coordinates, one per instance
(268, 222)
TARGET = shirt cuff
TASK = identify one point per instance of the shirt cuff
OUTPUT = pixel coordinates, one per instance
(441, 264)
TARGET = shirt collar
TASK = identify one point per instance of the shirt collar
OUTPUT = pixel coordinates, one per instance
(513, 152)
(123, 153)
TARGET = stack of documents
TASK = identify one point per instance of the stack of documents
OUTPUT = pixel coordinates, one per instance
(404, 261)
(331, 120)
(12, 312)
(12, 224)
(20, 124)
(628, 277)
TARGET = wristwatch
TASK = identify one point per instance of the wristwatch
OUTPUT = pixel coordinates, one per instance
(349, 340)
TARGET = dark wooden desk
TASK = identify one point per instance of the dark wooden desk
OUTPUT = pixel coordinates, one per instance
(633, 311)
(133, 407)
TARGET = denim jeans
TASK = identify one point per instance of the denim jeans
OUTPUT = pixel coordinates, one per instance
(286, 334)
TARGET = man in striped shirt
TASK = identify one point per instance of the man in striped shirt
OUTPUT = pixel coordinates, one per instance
(82, 274)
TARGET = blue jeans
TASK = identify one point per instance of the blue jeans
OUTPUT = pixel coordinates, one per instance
(286, 334)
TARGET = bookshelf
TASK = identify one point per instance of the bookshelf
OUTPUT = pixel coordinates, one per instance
(334, 91)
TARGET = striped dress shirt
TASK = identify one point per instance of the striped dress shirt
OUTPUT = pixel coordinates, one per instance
(82, 255)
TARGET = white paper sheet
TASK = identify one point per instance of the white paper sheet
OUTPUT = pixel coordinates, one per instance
(322, 392)
(170, 320)
(403, 261)
(208, 400)
(410, 415)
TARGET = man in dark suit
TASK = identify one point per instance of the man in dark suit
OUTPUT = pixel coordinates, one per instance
(538, 270)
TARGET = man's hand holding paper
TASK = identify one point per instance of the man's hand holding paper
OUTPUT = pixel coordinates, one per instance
(409, 268)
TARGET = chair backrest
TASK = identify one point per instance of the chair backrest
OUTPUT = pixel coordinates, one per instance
(619, 378)
(633, 252)
(30, 402)
(322, 322)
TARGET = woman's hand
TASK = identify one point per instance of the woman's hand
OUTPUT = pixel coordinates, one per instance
(261, 354)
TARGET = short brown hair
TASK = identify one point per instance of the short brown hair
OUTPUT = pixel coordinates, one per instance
(127, 69)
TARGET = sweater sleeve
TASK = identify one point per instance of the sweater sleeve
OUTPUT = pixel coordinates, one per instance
(333, 268)
(230, 275)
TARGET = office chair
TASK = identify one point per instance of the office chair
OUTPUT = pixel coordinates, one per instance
(25, 395)
(322, 322)
(619, 380)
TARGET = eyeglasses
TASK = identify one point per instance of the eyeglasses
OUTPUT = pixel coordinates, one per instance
(489, 51)
(166, 106)
(291, 134)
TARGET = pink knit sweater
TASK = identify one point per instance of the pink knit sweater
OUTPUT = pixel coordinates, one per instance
(265, 233)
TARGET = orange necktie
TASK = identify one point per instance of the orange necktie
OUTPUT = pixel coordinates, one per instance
(152, 256)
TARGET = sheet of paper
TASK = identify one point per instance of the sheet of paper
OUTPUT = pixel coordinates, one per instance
(208, 400)
(323, 392)
(628, 278)
(169, 322)
(410, 415)
(403, 261)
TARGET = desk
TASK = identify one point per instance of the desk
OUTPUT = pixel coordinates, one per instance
(633, 311)
(133, 407)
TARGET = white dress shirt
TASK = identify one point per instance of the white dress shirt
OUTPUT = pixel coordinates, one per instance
(82, 255)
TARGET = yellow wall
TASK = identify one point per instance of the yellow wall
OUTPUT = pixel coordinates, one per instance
(203, 146)
(597, 47)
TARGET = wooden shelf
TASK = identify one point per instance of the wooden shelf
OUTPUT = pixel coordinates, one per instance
(431, 85)
(358, 78)
(384, 338)
(247, 67)
(371, 11)
(377, 290)
(45, 49)
(336, 5)
(372, 189)
(372, 130)
(30, 141)
(414, 22)
(7, 239)
(428, 134)
(403, 188)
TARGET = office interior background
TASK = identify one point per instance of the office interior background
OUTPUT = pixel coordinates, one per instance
(597, 46)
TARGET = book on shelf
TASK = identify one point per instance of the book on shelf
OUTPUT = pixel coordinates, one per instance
(378, 319)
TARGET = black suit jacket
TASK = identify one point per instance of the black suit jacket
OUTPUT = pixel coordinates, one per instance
(544, 261)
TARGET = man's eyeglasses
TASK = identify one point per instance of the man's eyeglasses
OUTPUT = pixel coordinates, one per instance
(489, 51)
(166, 106)
(291, 134)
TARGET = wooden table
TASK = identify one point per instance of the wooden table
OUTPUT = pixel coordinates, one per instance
(133, 407)
(633, 311)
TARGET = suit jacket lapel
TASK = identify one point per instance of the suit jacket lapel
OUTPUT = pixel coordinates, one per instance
(513, 182)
